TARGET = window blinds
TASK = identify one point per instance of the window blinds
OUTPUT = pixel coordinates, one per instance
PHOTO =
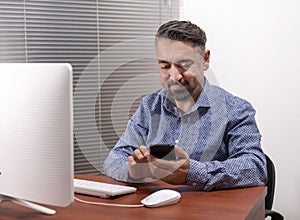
(110, 46)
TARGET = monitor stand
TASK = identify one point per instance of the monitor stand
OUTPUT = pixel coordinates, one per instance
(27, 204)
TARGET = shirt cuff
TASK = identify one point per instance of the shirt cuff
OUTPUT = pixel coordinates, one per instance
(197, 175)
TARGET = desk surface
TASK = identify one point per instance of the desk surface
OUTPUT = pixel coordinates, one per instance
(235, 204)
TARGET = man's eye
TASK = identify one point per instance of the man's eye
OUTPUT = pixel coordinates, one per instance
(186, 65)
(165, 66)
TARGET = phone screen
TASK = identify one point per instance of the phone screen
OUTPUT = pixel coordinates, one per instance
(163, 151)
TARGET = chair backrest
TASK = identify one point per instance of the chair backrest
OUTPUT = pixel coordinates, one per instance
(270, 183)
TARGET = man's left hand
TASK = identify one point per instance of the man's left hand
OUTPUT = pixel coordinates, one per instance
(171, 171)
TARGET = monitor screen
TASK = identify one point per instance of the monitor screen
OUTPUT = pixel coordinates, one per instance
(36, 132)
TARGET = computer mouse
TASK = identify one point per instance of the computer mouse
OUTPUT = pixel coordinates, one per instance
(161, 197)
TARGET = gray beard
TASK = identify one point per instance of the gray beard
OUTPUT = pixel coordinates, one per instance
(184, 94)
(180, 96)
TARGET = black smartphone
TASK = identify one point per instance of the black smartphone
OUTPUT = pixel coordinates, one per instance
(163, 151)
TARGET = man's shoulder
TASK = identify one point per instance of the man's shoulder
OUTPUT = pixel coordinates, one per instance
(151, 104)
(154, 97)
(230, 98)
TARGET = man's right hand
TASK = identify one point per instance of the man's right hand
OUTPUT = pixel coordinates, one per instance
(138, 164)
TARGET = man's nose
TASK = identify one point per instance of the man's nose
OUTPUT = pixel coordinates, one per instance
(175, 72)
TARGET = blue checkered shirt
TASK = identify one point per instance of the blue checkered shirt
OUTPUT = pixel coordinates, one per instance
(219, 133)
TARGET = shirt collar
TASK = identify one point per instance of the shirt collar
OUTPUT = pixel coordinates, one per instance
(202, 100)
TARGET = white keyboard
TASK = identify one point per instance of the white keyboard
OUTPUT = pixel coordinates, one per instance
(103, 190)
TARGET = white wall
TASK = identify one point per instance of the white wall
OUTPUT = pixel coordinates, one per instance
(255, 54)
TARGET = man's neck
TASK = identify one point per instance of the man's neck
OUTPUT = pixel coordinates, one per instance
(185, 106)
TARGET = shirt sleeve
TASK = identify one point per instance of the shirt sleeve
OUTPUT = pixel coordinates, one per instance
(116, 163)
(245, 165)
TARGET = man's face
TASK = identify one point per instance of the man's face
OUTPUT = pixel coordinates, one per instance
(181, 67)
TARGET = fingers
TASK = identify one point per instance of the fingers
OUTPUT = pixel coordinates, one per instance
(141, 164)
(131, 160)
(171, 171)
(180, 154)
(138, 169)
(144, 151)
(177, 178)
(159, 172)
(141, 154)
(170, 165)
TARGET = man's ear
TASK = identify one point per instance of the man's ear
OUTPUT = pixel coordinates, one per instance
(206, 60)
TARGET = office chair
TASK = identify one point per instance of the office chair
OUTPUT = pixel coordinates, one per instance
(270, 192)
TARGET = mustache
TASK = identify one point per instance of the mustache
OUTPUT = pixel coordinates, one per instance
(181, 82)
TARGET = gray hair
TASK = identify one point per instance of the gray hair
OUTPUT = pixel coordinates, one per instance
(184, 31)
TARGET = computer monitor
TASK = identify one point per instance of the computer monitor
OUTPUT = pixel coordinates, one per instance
(36, 134)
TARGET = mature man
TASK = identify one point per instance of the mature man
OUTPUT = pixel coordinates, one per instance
(217, 139)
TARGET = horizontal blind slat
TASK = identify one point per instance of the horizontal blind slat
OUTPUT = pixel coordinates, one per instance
(106, 43)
